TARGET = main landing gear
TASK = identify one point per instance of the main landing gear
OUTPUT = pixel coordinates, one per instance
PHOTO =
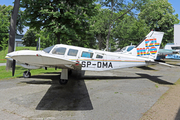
(63, 80)
(27, 74)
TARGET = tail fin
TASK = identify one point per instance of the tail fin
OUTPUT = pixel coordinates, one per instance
(149, 47)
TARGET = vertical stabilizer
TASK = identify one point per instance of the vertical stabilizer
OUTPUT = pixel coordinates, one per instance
(149, 47)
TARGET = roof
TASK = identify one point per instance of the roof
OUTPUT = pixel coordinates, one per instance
(19, 40)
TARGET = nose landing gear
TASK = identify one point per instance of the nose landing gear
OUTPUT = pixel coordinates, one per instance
(27, 74)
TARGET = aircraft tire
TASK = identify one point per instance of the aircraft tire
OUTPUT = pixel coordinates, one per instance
(26, 74)
(63, 81)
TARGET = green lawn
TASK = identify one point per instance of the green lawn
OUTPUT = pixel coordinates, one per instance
(19, 72)
(3, 53)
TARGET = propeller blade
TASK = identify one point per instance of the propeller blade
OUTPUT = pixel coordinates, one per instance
(13, 67)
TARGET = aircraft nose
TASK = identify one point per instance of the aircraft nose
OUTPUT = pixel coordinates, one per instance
(11, 54)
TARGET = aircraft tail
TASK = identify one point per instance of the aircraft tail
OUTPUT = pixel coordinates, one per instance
(149, 46)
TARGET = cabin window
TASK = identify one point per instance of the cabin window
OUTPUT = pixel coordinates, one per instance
(99, 56)
(130, 48)
(72, 52)
(59, 50)
(87, 54)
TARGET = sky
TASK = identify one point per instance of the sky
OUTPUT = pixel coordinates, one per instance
(175, 5)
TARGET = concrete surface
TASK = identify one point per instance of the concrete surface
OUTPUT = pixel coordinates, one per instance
(2, 64)
(120, 94)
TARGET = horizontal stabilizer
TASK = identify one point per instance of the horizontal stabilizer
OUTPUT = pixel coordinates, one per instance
(160, 63)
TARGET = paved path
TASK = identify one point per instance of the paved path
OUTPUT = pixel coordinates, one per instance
(2, 64)
(124, 94)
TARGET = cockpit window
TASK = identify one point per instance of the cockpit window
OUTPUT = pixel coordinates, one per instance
(72, 52)
(59, 50)
(123, 49)
(48, 49)
(87, 54)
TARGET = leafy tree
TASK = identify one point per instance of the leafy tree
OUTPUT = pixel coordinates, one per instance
(5, 12)
(67, 19)
(47, 38)
(121, 6)
(30, 38)
(129, 30)
(20, 24)
(5, 15)
(99, 27)
(159, 15)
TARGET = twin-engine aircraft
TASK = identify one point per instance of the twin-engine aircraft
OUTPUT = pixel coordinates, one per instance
(75, 58)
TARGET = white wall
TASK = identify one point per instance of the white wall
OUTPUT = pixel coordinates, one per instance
(177, 34)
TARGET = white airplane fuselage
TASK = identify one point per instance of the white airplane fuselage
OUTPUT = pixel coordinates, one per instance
(93, 60)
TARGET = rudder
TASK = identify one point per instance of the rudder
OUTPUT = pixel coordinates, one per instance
(149, 47)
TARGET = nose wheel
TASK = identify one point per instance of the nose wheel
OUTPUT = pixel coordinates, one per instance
(26, 74)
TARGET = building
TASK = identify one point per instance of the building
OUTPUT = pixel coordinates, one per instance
(18, 40)
(177, 34)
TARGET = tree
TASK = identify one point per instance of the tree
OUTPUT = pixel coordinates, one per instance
(159, 15)
(99, 26)
(47, 38)
(130, 30)
(5, 12)
(20, 24)
(67, 19)
(30, 38)
(12, 31)
(120, 6)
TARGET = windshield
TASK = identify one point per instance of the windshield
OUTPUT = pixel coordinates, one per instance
(48, 49)
(123, 49)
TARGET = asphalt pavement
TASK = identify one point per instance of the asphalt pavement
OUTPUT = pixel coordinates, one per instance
(123, 94)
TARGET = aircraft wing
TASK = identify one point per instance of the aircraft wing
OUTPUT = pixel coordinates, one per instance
(42, 59)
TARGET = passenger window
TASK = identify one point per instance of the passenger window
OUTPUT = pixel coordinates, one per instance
(59, 51)
(72, 52)
(99, 56)
(87, 54)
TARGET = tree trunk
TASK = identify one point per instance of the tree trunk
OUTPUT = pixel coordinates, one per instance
(108, 36)
(58, 38)
(111, 22)
(12, 32)
(100, 42)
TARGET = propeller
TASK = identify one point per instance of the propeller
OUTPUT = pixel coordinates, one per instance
(13, 67)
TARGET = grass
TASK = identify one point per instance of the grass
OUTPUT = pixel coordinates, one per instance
(19, 72)
(156, 86)
(4, 52)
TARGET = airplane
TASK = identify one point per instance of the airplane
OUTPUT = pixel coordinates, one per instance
(67, 57)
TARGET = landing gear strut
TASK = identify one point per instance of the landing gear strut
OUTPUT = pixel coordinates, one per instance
(27, 74)
(64, 77)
